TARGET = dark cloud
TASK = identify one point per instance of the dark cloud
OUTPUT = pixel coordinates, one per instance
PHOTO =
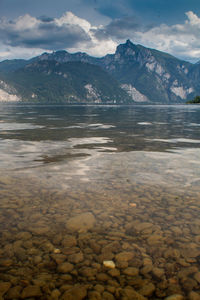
(118, 28)
(46, 19)
(43, 32)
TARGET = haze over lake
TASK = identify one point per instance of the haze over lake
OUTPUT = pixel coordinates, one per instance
(132, 171)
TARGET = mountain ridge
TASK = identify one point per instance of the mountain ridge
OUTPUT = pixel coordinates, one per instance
(144, 74)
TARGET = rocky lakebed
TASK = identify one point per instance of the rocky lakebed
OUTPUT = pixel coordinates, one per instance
(62, 245)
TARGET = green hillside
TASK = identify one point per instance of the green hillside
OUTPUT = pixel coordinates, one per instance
(71, 82)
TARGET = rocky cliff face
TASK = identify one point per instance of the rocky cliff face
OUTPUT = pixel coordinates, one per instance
(8, 93)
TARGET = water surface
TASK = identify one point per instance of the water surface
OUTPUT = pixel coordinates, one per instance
(134, 170)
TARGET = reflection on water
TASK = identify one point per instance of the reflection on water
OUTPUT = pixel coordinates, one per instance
(83, 185)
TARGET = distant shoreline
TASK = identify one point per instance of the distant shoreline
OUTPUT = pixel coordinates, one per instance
(92, 104)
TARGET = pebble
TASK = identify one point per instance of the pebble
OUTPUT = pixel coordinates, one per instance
(94, 295)
(197, 277)
(114, 272)
(158, 272)
(100, 288)
(81, 223)
(31, 291)
(69, 241)
(130, 271)
(131, 294)
(75, 293)
(14, 292)
(175, 297)
(147, 289)
(107, 296)
(65, 267)
(76, 258)
(109, 264)
(55, 294)
(194, 296)
(4, 287)
(124, 256)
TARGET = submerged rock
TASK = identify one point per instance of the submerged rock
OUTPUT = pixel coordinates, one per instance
(175, 297)
(14, 293)
(109, 264)
(4, 287)
(193, 296)
(81, 223)
(65, 267)
(124, 256)
(31, 291)
(131, 271)
(130, 293)
(75, 293)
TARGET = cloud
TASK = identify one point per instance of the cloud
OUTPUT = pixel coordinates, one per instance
(181, 40)
(118, 28)
(44, 32)
(28, 36)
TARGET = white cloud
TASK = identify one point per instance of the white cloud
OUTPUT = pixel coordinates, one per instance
(70, 18)
(27, 36)
(31, 32)
(180, 40)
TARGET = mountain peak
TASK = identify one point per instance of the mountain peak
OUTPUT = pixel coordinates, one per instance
(127, 48)
(129, 43)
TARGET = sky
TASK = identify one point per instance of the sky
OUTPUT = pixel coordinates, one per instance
(29, 28)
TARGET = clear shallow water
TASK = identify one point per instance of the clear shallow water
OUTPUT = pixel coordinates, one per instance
(135, 170)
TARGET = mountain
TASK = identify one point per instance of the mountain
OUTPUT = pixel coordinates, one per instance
(146, 74)
(68, 82)
(160, 77)
(132, 74)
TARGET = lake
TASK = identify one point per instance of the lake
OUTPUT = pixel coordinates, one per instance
(81, 186)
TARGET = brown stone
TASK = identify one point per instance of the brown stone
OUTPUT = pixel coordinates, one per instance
(81, 223)
(58, 258)
(158, 272)
(88, 272)
(147, 289)
(65, 267)
(39, 230)
(4, 287)
(75, 293)
(130, 271)
(102, 277)
(14, 293)
(114, 272)
(124, 256)
(94, 295)
(107, 296)
(197, 277)
(76, 258)
(142, 226)
(193, 296)
(99, 288)
(130, 294)
(6, 262)
(154, 239)
(69, 241)
(23, 236)
(55, 294)
(31, 291)
(175, 297)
